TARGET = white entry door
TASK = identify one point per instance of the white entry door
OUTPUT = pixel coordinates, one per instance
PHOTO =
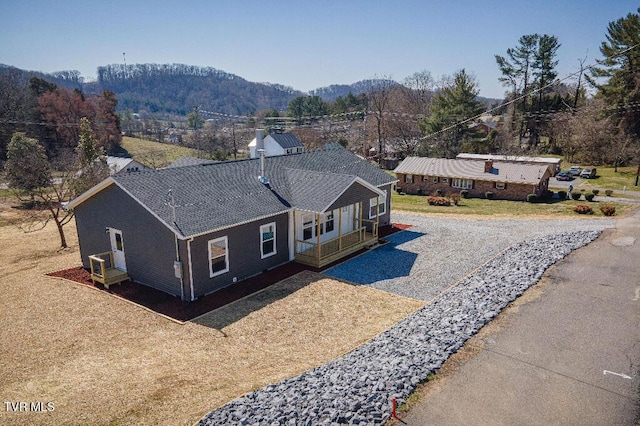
(117, 247)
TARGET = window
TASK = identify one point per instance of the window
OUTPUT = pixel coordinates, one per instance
(408, 178)
(307, 226)
(435, 179)
(501, 185)
(218, 256)
(377, 209)
(119, 245)
(462, 183)
(445, 180)
(425, 178)
(268, 240)
(328, 222)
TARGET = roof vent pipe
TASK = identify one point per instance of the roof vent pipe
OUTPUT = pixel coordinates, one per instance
(259, 139)
(262, 178)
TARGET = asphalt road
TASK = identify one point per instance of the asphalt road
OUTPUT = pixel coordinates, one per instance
(570, 356)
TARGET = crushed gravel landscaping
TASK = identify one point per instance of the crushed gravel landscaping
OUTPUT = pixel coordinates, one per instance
(491, 263)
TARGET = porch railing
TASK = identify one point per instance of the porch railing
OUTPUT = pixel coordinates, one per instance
(104, 271)
(319, 255)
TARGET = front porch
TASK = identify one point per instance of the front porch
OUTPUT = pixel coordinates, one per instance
(320, 254)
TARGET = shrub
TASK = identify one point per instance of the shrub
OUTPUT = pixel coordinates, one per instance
(420, 191)
(589, 197)
(488, 195)
(608, 210)
(583, 209)
(548, 194)
(438, 192)
(595, 191)
(455, 199)
(464, 193)
(576, 195)
(438, 201)
(562, 195)
(608, 192)
(532, 198)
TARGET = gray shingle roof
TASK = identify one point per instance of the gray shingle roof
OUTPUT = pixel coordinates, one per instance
(189, 161)
(286, 140)
(471, 169)
(214, 196)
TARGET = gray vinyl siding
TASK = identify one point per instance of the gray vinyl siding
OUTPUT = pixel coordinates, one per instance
(354, 194)
(385, 219)
(149, 246)
(244, 254)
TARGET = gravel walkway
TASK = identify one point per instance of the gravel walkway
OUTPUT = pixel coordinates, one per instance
(436, 252)
(357, 388)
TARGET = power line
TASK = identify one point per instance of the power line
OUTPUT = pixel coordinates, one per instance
(524, 95)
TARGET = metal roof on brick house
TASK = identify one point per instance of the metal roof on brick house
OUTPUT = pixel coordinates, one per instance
(470, 169)
(195, 200)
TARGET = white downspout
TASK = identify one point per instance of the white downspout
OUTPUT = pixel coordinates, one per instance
(292, 235)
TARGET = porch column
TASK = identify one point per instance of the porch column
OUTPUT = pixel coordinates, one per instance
(340, 229)
(360, 222)
(318, 236)
(374, 232)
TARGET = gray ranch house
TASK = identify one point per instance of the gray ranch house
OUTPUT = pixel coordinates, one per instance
(190, 231)
(506, 180)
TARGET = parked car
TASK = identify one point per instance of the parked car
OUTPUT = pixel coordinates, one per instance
(575, 170)
(588, 173)
(564, 176)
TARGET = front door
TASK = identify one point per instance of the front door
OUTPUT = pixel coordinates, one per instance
(117, 247)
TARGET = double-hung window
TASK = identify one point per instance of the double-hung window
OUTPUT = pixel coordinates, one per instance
(377, 206)
(307, 226)
(328, 222)
(218, 256)
(268, 240)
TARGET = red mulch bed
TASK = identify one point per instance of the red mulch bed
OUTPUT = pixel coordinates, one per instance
(179, 310)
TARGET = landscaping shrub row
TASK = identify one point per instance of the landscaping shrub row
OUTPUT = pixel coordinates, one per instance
(584, 209)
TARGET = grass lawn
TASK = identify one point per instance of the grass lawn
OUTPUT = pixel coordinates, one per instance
(608, 179)
(155, 154)
(483, 207)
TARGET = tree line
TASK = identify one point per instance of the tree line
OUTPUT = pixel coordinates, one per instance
(593, 117)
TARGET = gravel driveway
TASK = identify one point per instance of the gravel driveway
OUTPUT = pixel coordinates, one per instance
(436, 252)
(358, 387)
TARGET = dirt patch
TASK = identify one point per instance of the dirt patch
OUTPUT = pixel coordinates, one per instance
(102, 361)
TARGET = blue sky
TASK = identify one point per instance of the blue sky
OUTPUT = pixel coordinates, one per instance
(301, 44)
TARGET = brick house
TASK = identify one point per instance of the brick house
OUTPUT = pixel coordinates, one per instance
(507, 181)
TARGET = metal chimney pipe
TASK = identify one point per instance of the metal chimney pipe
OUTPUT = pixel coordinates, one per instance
(259, 139)
(262, 177)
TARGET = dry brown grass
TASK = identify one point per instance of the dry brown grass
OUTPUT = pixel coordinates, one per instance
(103, 361)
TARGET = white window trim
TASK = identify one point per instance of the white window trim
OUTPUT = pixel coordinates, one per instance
(275, 250)
(501, 185)
(382, 206)
(445, 180)
(226, 256)
(310, 225)
(408, 178)
(462, 183)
